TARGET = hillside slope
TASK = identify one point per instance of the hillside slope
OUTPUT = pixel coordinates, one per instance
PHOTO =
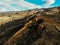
(38, 27)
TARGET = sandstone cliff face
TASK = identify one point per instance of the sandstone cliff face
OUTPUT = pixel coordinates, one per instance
(34, 28)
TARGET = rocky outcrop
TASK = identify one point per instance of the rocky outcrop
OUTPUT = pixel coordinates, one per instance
(34, 29)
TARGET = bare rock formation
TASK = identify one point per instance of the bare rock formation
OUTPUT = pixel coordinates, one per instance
(36, 28)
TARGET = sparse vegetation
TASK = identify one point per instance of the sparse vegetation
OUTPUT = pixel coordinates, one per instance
(32, 27)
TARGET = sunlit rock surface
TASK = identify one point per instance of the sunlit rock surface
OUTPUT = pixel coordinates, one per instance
(32, 27)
